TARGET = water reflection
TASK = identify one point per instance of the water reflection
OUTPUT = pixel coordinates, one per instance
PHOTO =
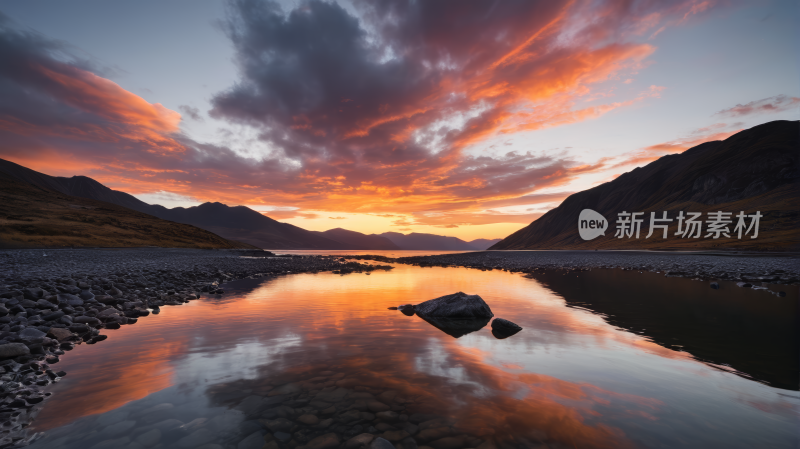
(754, 334)
(316, 347)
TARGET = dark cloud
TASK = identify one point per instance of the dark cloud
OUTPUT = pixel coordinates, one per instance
(192, 112)
(771, 105)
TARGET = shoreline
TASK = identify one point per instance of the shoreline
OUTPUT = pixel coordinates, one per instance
(743, 268)
(51, 303)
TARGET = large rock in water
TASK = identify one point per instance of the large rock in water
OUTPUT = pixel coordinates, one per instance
(457, 305)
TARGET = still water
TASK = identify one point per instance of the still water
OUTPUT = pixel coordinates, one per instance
(606, 359)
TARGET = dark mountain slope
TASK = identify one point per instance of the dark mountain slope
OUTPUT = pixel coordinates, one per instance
(756, 169)
(240, 223)
(33, 216)
(420, 241)
(357, 240)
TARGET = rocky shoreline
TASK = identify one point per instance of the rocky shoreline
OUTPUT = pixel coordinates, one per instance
(748, 270)
(53, 300)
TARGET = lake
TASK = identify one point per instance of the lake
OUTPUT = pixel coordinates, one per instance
(606, 359)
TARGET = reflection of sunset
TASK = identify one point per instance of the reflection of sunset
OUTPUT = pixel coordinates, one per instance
(346, 318)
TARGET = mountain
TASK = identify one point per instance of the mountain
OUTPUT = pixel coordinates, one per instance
(33, 216)
(753, 170)
(240, 223)
(482, 244)
(357, 240)
(427, 242)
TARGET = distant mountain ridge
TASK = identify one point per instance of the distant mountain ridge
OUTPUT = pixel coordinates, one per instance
(420, 241)
(754, 170)
(240, 222)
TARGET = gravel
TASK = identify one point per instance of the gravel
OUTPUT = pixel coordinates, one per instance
(52, 300)
(770, 268)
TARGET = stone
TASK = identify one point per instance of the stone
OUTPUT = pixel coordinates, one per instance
(387, 416)
(45, 304)
(112, 444)
(201, 436)
(447, 443)
(502, 328)
(715, 286)
(53, 316)
(33, 293)
(279, 425)
(88, 320)
(332, 396)
(59, 334)
(86, 294)
(407, 309)
(270, 445)
(251, 404)
(326, 441)
(456, 305)
(781, 293)
(252, 441)
(395, 435)
(69, 299)
(150, 438)
(433, 434)
(381, 443)
(282, 436)
(409, 443)
(359, 441)
(308, 420)
(376, 407)
(32, 335)
(117, 429)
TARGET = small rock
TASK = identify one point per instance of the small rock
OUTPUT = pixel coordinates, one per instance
(326, 441)
(59, 333)
(715, 286)
(11, 350)
(308, 420)
(456, 305)
(503, 328)
(376, 407)
(252, 441)
(359, 441)
(282, 436)
(381, 443)
(149, 439)
(32, 335)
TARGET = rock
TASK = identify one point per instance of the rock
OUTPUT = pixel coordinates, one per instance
(69, 299)
(59, 334)
(744, 284)
(32, 335)
(388, 416)
(33, 293)
(282, 436)
(376, 407)
(112, 444)
(279, 425)
(88, 320)
(781, 293)
(326, 441)
(252, 441)
(433, 434)
(395, 435)
(457, 327)
(117, 429)
(79, 328)
(199, 437)
(407, 309)
(53, 316)
(308, 420)
(45, 304)
(456, 305)
(10, 350)
(715, 286)
(359, 441)
(381, 443)
(503, 328)
(447, 443)
(409, 443)
(86, 294)
(3, 311)
(332, 396)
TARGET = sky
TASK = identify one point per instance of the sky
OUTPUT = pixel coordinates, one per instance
(461, 118)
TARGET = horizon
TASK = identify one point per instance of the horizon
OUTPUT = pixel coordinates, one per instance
(468, 120)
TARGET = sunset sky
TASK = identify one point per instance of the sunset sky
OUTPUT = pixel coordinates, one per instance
(462, 118)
